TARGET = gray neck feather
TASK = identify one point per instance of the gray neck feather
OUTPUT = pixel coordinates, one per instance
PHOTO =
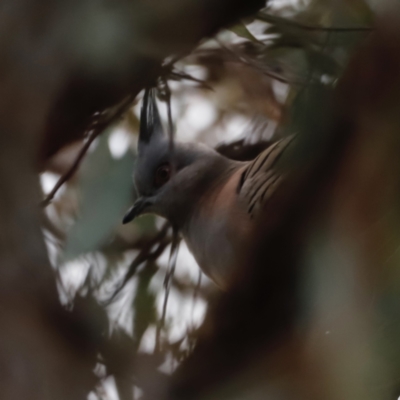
(205, 170)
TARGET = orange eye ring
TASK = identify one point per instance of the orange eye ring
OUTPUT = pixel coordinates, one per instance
(162, 175)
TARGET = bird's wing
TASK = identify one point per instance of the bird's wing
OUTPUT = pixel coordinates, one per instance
(260, 178)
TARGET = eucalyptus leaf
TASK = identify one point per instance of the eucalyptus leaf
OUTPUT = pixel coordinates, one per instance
(323, 63)
(144, 303)
(291, 62)
(311, 118)
(106, 189)
(241, 30)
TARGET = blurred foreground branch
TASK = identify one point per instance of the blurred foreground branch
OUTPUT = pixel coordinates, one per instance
(305, 319)
(60, 64)
(146, 35)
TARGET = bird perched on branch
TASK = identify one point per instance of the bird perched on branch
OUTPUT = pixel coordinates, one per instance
(213, 200)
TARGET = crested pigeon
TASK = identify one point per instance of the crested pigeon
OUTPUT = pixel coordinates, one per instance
(212, 200)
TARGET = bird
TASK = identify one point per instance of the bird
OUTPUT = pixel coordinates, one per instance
(213, 201)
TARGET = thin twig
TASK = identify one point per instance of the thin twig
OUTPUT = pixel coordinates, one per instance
(196, 292)
(250, 63)
(49, 226)
(198, 285)
(144, 256)
(179, 75)
(169, 113)
(167, 286)
(272, 19)
(72, 169)
(96, 129)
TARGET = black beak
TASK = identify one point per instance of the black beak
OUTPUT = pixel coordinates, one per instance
(140, 205)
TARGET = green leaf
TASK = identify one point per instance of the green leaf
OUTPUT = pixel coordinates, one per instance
(241, 30)
(289, 62)
(144, 303)
(311, 118)
(106, 189)
(322, 63)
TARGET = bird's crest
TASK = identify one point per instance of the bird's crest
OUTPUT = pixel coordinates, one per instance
(150, 122)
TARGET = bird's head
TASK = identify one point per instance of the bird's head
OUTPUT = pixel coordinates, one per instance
(170, 180)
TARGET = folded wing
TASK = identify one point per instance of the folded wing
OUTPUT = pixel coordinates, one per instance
(261, 178)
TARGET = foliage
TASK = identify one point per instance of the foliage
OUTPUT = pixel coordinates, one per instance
(270, 75)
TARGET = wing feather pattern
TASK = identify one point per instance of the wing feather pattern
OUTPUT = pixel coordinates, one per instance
(260, 179)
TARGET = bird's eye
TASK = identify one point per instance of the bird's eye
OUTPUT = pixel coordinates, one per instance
(162, 175)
